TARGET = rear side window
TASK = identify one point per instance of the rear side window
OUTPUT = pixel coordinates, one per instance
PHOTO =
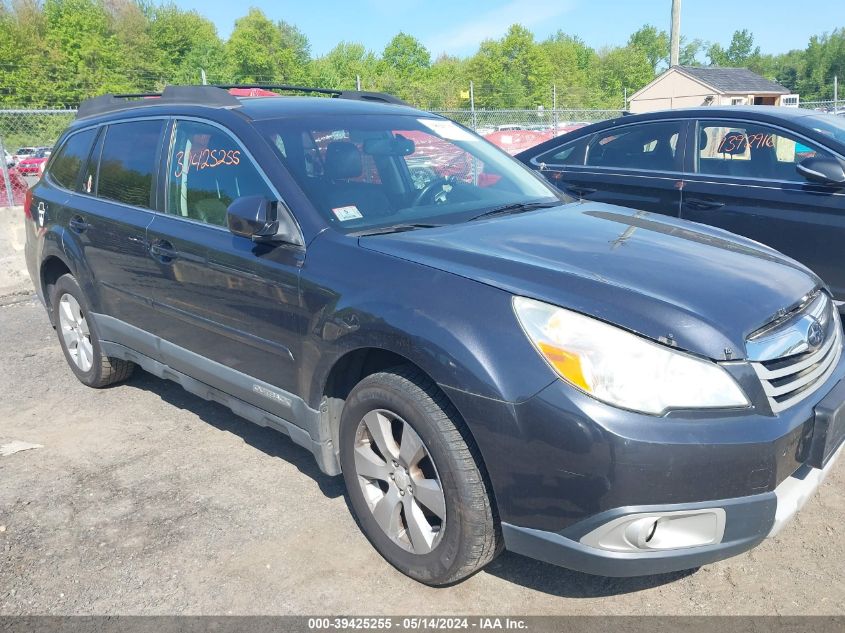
(650, 146)
(207, 171)
(128, 162)
(65, 167)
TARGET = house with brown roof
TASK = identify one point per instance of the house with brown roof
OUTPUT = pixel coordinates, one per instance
(692, 86)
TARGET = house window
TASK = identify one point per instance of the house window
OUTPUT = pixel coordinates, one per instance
(737, 100)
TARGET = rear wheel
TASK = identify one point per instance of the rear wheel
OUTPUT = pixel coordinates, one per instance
(415, 481)
(79, 338)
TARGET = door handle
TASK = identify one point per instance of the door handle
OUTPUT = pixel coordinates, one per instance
(78, 224)
(163, 251)
(699, 204)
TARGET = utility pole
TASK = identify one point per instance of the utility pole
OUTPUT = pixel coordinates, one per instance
(836, 94)
(472, 106)
(554, 107)
(358, 83)
(675, 45)
(202, 77)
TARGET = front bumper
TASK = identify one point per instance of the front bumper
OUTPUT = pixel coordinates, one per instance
(748, 521)
(562, 464)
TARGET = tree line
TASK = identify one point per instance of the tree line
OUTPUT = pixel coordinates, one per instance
(58, 52)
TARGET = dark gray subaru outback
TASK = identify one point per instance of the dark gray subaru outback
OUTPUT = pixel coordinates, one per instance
(489, 364)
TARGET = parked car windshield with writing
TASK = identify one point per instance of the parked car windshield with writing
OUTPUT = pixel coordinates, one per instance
(486, 362)
(776, 175)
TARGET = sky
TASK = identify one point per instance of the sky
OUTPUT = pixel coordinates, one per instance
(457, 26)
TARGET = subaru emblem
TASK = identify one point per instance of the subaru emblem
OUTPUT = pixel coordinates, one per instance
(815, 334)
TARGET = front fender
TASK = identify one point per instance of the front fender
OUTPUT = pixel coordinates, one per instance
(462, 333)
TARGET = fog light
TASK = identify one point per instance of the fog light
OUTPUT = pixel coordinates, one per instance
(651, 531)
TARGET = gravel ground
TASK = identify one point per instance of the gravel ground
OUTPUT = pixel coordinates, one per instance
(146, 500)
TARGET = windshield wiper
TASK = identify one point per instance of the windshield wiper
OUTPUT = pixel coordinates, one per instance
(514, 207)
(395, 228)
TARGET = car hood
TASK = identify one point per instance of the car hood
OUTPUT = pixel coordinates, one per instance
(699, 288)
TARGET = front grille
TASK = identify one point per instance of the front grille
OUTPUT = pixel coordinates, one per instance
(789, 378)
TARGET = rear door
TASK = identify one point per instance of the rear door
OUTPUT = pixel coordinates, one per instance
(107, 216)
(637, 165)
(223, 298)
(745, 180)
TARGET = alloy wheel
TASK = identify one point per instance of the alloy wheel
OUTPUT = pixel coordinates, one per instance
(75, 332)
(400, 481)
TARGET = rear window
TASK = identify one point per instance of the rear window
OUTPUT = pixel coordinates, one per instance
(65, 168)
(128, 162)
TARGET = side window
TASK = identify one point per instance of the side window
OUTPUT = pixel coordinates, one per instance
(651, 146)
(750, 151)
(207, 171)
(571, 153)
(67, 164)
(128, 162)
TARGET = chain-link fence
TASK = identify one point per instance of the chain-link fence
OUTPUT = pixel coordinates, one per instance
(487, 121)
(26, 138)
(831, 106)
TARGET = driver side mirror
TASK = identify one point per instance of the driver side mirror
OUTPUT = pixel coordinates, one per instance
(258, 219)
(823, 170)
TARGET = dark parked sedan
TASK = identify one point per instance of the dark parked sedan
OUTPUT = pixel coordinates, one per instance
(776, 175)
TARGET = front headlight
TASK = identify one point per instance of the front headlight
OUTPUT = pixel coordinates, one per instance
(621, 368)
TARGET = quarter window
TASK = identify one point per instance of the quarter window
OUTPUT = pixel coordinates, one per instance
(751, 151)
(207, 171)
(67, 164)
(571, 153)
(651, 146)
(128, 160)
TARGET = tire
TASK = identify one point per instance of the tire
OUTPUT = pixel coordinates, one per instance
(432, 549)
(79, 338)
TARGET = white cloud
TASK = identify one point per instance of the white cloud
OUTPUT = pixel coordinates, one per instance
(495, 23)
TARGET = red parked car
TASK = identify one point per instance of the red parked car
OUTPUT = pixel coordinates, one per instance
(18, 185)
(34, 164)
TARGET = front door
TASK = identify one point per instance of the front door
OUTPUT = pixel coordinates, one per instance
(746, 181)
(229, 306)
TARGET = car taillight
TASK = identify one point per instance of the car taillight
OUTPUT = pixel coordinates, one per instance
(27, 204)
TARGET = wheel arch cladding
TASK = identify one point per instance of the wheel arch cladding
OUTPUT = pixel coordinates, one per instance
(52, 268)
(355, 365)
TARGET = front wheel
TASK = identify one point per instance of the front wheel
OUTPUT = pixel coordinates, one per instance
(415, 480)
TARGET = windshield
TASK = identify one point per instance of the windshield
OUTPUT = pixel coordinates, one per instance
(829, 125)
(367, 172)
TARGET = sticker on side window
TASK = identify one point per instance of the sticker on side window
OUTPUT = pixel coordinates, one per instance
(344, 214)
(448, 130)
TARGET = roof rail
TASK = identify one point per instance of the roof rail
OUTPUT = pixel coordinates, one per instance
(214, 96)
(357, 95)
(199, 95)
